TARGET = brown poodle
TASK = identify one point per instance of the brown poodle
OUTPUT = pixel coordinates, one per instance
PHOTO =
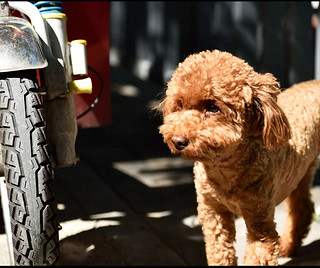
(252, 148)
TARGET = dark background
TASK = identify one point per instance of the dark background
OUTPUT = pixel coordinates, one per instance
(150, 38)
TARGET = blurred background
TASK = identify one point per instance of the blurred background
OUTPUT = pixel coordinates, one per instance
(149, 38)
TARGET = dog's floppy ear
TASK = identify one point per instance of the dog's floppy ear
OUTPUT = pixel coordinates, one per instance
(270, 118)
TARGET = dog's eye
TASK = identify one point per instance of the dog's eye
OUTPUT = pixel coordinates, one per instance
(180, 105)
(213, 109)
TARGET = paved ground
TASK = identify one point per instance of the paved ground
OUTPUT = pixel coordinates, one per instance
(130, 202)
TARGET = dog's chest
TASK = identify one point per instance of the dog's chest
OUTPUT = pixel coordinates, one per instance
(212, 191)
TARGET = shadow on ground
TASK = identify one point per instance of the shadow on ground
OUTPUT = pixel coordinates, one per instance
(151, 228)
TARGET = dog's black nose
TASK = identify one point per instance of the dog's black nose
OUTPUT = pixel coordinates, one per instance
(179, 142)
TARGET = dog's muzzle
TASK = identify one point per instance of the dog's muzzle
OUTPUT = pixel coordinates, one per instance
(179, 142)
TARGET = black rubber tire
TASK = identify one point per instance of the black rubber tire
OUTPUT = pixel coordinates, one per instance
(28, 171)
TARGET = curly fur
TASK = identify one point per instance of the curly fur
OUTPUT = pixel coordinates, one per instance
(253, 147)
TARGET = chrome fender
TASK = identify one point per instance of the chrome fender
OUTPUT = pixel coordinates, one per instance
(20, 46)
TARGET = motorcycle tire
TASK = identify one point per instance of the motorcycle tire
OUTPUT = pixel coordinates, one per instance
(33, 232)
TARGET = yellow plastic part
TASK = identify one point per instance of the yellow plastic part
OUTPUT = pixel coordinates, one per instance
(81, 86)
(79, 41)
(54, 16)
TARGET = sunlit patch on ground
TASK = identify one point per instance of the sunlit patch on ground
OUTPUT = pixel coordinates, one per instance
(158, 172)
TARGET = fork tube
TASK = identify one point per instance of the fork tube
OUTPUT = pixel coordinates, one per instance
(56, 19)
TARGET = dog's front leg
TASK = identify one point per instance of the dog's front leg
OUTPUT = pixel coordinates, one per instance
(263, 240)
(218, 227)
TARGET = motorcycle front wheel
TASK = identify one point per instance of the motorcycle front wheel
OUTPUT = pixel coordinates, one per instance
(28, 200)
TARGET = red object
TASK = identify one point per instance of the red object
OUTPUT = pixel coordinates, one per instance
(89, 20)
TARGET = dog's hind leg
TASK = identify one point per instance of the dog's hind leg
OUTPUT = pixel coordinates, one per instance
(300, 208)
